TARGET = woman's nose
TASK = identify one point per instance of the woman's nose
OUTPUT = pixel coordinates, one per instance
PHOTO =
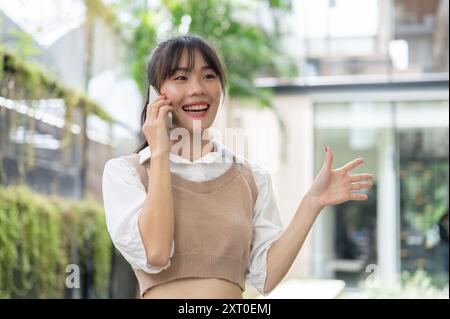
(196, 88)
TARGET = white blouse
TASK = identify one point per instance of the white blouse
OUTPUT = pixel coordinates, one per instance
(124, 196)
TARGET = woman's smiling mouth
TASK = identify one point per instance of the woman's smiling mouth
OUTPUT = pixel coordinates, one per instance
(196, 110)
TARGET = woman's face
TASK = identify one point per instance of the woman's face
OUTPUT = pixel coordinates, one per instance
(194, 95)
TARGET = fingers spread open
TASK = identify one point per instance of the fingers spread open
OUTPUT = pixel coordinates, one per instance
(351, 165)
(359, 197)
(363, 185)
(360, 177)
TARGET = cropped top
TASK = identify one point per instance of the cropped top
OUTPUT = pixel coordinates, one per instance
(213, 222)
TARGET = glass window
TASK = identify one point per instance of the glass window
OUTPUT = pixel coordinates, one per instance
(405, 220)
(352, 130)
(424, 185)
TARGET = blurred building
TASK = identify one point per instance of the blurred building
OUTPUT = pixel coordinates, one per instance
(373, 83)
(341, 37)
(55, 170)
(65, 59)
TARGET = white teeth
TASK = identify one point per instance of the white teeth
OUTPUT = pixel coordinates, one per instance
(195, 107)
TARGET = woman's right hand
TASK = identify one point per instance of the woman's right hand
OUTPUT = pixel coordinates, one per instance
(155, 126)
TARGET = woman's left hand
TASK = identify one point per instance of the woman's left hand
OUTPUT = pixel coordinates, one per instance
(333, 187)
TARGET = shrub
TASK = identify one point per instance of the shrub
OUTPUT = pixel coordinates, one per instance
(41, 235)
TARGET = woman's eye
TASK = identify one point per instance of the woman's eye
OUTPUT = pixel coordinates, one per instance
(181, 76)
(210, 76)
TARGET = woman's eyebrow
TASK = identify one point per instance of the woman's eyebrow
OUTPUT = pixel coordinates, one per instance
(185, 69)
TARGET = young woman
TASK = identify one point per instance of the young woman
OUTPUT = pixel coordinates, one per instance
(191, 224)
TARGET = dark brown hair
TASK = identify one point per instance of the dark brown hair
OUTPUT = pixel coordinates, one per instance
(166, 57)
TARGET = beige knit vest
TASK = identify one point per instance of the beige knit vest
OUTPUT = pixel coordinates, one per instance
(213, 224)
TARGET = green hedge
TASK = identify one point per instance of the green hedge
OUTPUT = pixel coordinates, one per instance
(41, 235)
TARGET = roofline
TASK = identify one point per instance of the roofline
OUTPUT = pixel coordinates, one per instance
(354, 83)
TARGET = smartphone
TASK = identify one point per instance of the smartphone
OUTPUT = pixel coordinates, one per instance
(152, 95)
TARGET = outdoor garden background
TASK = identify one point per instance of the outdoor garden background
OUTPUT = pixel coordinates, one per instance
(72, 81)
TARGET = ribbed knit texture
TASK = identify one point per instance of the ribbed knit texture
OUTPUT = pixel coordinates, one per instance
(213, 223)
